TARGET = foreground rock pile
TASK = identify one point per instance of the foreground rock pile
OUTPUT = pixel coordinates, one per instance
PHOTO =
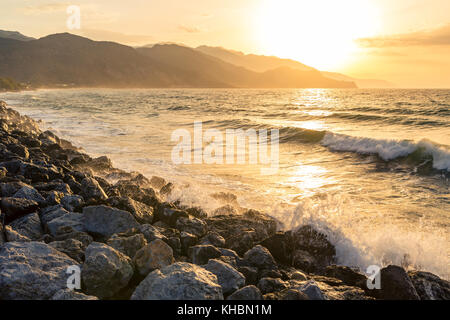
(60, 211)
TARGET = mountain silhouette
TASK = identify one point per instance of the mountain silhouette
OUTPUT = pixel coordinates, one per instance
(69, 60)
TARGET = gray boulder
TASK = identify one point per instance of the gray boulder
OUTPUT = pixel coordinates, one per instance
(151, 233)
(32, 271)
(72, 202)
(127, 243)
(430, 286)
(14, 208)
(92, 190)
(105, 221)
(28, 226)
(179, 281)
(71, 219)
(72, 247)
(312, 290)
(140, 211)
(157, 254)
(193, 226)
(396, 285)
(229, 278)
(267, 285)
(202, 253)
(29, 193)
(260, 258)
(13, 236)
(105, 270)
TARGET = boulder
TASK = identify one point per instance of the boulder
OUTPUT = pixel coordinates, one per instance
(28, 226)
(156, 255)
(151, 233)
(260, 258)
(201, 254)
(280, 246)
(105, 221)
(105, 270)
(140, 211)
(13, 236)
(267, 285)
(347, 276)
(187, 240)
(91, 190)
(14, 208)
(250, 273)
(50, 213)
(32, 271)
(72, 247)
(193, 226)
(72, 202)
(312, 290)
(179, 281)
(65, 233)
(29, 193)
(213, 238)
(286, 294)
(67, 294)
(246, 293)
(170, 215)
(71, 219)
(396, 285)
(430, 286)
(127, 243)
(229, 278)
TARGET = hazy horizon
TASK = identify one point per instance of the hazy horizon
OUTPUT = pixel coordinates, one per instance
(406, 42)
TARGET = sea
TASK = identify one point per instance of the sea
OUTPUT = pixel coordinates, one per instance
(370, 168)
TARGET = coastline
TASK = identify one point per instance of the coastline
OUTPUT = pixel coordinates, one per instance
(56, 203)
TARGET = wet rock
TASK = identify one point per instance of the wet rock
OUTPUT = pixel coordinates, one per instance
(179, 281)
(242, 232)
(105, 221)
(73, 248)
(13, 236)
(151, 233)
(67, 294)
(134, 191)
(229, 278)
(14, 208)
(167, 189)
(71, 219)
(201, 254)
(347, 276)
(193, 226)
(72, 202)
(127, 243)
(303, 260)
(396, 285)
(213, 238)
(140, 211)
(225, 210)
(308, 240)
(29, 193)
(157, 182)
(170, 216)
(250, 273)
(156, 255)
(312, 290)
(280, 246)
(246, 293)
(260, 258)
(267, 285)
(187, 240)
(430, 286)
(28, 226)
(32, 270)
(92, 191)
(105, 271)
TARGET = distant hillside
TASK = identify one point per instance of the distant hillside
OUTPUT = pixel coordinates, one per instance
(251, 61)
(14, 35)
(361, 83)
(260, 63)
(66, 59)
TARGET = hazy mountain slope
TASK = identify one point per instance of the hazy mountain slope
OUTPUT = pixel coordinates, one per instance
(76, 61)
(264, 63)
(251, 61)
(14, 35)
(361, 83)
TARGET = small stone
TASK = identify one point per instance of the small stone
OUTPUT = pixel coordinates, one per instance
(157, 254)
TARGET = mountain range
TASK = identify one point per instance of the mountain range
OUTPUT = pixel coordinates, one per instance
(69, 60)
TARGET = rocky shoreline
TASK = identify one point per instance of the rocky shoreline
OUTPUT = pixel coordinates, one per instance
(62, 210)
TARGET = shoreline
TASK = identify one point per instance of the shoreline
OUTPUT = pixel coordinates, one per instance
(55, 204)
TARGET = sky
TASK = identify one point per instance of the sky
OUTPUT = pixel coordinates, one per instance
(406, 42)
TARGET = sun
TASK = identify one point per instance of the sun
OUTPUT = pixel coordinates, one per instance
(319, 33)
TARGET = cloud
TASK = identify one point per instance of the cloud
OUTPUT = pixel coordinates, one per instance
(105, 35)
(189, 29)
(436, 37)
